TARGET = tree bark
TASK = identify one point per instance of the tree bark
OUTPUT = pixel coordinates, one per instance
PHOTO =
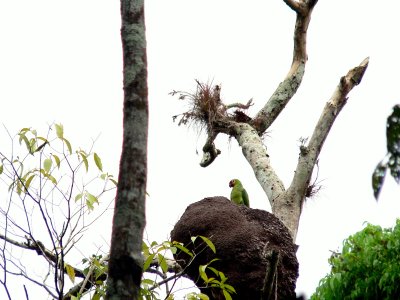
(126, 262)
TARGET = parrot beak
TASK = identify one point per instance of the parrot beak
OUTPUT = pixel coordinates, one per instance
(231, 183)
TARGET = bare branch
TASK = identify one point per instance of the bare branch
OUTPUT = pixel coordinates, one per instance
(26, 293)
(210, 153)
(309, 155)
(177, 275)
(240, 105)
(40, 249)
(286, 89)
(23, 274)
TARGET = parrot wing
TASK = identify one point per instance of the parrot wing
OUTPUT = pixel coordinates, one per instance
(245, 198)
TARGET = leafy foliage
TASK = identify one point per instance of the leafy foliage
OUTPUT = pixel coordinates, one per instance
(367, 268)
(157, 261)
(47, 177)
(53, 190)
(392, 159)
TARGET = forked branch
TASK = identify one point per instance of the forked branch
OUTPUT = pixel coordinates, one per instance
(293, 198)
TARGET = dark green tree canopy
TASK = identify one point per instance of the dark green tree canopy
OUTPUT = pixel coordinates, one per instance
(367, 268)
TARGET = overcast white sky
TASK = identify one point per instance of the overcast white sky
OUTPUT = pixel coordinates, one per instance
(61, 61)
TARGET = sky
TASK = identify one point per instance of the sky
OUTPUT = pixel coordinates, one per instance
(61, 62)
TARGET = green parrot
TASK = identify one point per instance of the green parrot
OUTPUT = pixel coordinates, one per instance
(238, 193)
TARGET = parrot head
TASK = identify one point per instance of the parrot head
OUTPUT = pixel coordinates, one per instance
(233, 182)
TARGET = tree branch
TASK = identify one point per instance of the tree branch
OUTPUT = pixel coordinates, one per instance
(294, 197)
(40, 249)
(256, 154)
(286, 89)
(210, 153)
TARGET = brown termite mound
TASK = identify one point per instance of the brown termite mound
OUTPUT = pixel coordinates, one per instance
(255, 250)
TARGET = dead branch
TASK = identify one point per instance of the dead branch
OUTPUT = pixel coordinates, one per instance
(309, 154)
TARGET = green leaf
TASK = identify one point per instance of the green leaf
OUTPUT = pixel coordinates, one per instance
(24, 130)
(216, 272)
(82, 154)
(52, 179)
(222, 276)
(90, 200)
(78, 197)
(227, 295)
(183, 248)
(47, 164)
(68, 144)
(202, 272)
(22, 137)
(96, 296)
(1, 169)
(148, 281)
(163, 263)
(209, 243)
(28, 181)
(19, 187)
(32, 146)
(148, 261)
(203, 296)
(57, 160)
(97, 161)
(59, 131)
(211, 261)
(114, 181)
(230, 288)
(145, 248)
(71, 272)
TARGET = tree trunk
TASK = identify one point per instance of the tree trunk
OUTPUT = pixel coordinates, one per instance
(125, 266)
